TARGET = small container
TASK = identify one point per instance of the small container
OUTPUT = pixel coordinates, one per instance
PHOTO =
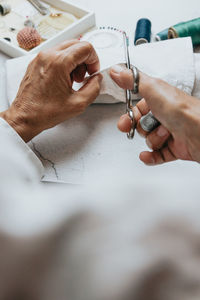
(86, 21)
(5, 9)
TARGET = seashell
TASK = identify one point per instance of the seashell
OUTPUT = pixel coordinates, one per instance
(28, 38)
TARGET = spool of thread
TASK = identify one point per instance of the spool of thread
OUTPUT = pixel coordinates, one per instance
(5, 9)
(143, 32)
(162, 35)
(184, 29)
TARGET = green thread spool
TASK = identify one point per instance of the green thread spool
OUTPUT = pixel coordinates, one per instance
(162, 35)
(184, 29)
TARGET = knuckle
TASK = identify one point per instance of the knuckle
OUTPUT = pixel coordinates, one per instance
(70, 57)
(88, 46)
(46, 56)
(42, 56)
(70, 60)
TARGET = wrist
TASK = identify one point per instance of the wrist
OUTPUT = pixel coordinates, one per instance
(20, 124)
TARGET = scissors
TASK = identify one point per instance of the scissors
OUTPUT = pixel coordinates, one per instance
(129, 103)
(147, 122)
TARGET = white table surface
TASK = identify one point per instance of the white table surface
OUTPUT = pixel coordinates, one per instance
(64, 154)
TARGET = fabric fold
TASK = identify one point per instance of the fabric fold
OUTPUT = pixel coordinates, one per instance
(171, 60)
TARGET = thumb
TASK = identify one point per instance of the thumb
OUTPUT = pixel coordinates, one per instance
(164, 100)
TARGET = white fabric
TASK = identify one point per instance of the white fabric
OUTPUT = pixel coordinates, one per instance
(123, 239)
(69, 150)
(172, 61)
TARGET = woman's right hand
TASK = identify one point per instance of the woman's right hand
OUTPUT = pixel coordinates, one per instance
(178, 136)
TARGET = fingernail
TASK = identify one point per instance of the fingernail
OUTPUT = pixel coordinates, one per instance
(162, 131)
(117, 69)
(149, 144)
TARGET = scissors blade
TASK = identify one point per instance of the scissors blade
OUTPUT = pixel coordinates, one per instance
(130, 135)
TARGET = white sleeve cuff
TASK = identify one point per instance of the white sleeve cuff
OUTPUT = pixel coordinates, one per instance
(13, 145)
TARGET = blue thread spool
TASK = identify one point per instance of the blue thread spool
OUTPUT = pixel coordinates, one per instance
(143, 32)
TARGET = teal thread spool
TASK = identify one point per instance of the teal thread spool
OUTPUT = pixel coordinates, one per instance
(162, 35)
(143, 32)
(184, 29)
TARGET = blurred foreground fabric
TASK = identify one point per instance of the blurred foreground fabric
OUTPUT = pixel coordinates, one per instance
(125, 236)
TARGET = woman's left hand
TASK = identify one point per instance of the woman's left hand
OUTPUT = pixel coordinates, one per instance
(46, 97)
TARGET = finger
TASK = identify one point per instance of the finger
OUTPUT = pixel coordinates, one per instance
(151, 158)
(164, 100)
(122, 76)
(66, 45)
(157, 157)
(157, 138)
(143, 109)
(81, 53)
(125, 123)
(79, 73)
(89, 92)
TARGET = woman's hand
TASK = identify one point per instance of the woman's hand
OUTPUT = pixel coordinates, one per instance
(45, 97)
(179, 135)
